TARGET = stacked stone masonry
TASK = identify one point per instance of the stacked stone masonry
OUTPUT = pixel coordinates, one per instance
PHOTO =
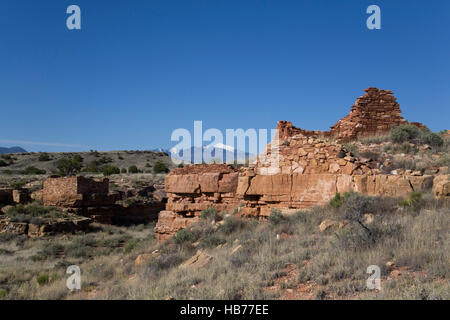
(304, 169)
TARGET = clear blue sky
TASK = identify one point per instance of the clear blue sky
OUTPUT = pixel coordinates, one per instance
(139, 69)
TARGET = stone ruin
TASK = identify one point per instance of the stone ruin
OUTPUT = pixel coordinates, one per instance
(308, 169)
(92, 198)
(85, 200)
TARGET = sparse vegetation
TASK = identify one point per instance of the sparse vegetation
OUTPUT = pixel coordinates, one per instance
(160, 167)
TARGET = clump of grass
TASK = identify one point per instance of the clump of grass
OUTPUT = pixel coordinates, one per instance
(43, 279)
(414, 201)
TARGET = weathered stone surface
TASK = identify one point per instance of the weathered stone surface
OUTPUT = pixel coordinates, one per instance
(199, 260)
(68, 192)
(441, 186)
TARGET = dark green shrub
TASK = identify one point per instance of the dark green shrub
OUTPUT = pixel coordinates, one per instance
(276, 217)
(430, 138)
(404, 132)
(210, 214)
(123, 170)
(184, 236)
(109, 170)
(337, 201)
(211, 240)
(92, 167)
(230, 225)
(33, 170)
(133, 169)
(69, 166)
(43, 279)
(160, 167)
(3, 163)
(414, 201)
(44, 157)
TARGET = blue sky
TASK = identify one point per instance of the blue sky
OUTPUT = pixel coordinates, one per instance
(140, 69)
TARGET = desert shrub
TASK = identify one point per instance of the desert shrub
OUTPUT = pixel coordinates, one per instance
(130, 246)
(133, 169)
(109, 170)
(44, 157)
(3, 163)
(49, 251)
(354, 206)
(231, 224)
(17, 184)
(211, 241)
(164, 262)
(337, 201)
(123, 170)
(408, 164)
(160, 167)
(430, 138)
(92, 167)
(3, 293)
(43, 278)
(276, 217)
(184, 236)
(414, 201)
(33, 170)
(210, 214)
(352, 148)
(370, 155)
(69, 166)
(403, 133)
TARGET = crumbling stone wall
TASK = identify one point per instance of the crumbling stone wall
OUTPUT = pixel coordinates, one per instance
(304, 169)
(192, 189)
(376, 112)
(91, 198)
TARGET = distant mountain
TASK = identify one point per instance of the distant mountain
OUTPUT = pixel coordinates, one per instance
(4, 150)
(161, 150)
(219, 153)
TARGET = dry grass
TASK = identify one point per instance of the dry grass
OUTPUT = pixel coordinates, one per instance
(303, 264)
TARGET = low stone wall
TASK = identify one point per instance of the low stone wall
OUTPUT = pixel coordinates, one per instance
(44, 229)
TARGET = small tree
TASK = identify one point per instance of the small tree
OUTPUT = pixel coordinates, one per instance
(69, 166)
(160, 167)
(44, 157)
(133, 169)
(109, 170)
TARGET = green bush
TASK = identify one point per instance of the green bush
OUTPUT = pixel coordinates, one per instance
(133, 169)
(69, 166)
(337, 201)
(2, 294)
(276, 217)
(3, 163)
(43, 279)
(123, 170)
(44, 157)
(33, 170)
(414, 201)
(109, 170)
(92, 167)
(184, 236)
(430, 138)
(160, 167)
(210, 214)
(404, 132)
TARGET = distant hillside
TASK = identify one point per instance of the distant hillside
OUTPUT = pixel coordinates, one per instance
(92, 162)
(4, 150)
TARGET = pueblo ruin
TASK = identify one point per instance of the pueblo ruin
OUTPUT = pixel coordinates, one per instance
(312, 166)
